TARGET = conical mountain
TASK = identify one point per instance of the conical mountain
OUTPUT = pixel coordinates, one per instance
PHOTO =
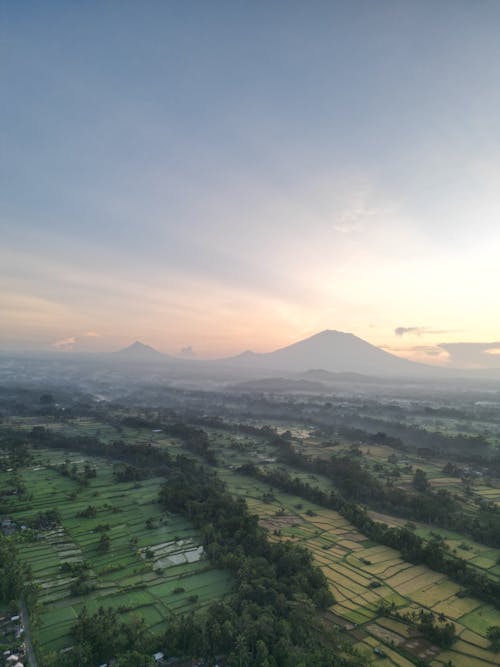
(140, 352)
(337, 352)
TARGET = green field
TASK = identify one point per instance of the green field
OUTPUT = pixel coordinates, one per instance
(150, 572)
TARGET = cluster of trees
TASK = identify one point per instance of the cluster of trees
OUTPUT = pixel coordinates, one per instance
(193, 439)
(71, 470)
(412, 548)
(13, 575)
(90, 512)
(44, 520)
(103, 636)
(123, 472)
(104, 544)
(434, 627)
(466, 448)
(493, 634)
(16, 452)
(74, 569)
(148, 458)
(81, 585)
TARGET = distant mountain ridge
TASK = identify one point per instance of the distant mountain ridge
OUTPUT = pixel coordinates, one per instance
(335, 352)
(328, 352)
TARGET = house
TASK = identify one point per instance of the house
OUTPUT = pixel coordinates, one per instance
(8, 526)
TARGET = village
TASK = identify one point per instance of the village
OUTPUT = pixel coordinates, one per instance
(11, 635)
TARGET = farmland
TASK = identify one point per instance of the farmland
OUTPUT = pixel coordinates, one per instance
(148, 563)
(352, 564)
(154, 566)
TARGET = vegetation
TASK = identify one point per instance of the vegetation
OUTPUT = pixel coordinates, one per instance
(12, 574)
(105, 552)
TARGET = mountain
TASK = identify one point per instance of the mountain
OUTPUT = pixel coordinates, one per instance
(336, 352)
(140, 352)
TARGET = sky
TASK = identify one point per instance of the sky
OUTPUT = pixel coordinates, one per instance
(214, 177)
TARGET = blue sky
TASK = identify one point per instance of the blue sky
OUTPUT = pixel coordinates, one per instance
(242, 174)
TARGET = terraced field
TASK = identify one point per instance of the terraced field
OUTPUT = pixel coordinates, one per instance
(154, 567)
(362, 574)
(477, 554)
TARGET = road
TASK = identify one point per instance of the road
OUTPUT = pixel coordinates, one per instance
(27, 635)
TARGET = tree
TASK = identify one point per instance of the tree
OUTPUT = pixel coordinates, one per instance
(420, 482)
(493, 634)
(11, 571)
(104, 544)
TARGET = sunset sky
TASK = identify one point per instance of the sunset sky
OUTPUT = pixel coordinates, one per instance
(209, 177)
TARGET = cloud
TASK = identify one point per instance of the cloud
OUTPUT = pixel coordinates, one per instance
(434, 354)
(401, 331)
(68, 344)
(65, 344)
(453, 355)
(473, 355)
(429, 350)
(420, 331)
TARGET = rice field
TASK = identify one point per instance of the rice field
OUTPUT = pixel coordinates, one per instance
(361, 574)
(155, 565)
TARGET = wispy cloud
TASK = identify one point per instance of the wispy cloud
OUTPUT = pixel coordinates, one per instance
(359, 216)
(427, 354)
(420, 331)
(65, 344)
(68, 344)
